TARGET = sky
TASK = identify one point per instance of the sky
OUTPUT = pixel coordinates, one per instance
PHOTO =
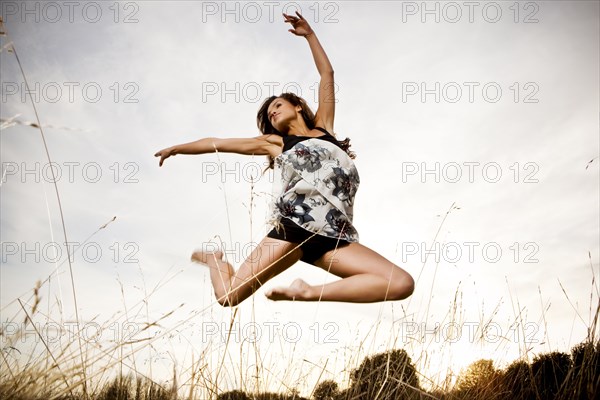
(476, 132)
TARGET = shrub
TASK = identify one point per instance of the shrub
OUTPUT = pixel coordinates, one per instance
(480, 380)
(326, 390)
(583, 381)
(233, 395)
(126, 388)
(516, 382)
(389, 375)
(549, 373)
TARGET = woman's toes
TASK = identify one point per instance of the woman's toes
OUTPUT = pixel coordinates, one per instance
(201, 256)
(279, 294)
(298, 290)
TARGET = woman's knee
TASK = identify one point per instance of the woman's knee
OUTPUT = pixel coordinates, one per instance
(401, 286)
(228, 301)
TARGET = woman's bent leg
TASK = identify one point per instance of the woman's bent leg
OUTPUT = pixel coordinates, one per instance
(269, 258)
(366, 276)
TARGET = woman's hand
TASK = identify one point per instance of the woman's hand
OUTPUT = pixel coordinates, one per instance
(301, 27)
(164, 154)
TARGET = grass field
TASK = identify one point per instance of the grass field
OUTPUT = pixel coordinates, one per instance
(38, 363)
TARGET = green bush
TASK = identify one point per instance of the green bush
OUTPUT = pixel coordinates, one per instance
(126, 388)
(583, 381)
(516, 383)
(233, 395)
(549, 373)
(389, 375)
(326, 390)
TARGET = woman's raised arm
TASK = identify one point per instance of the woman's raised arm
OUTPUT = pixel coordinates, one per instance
(261, 145)
(326, 110)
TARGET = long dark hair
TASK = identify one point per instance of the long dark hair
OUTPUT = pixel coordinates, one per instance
(265, 127)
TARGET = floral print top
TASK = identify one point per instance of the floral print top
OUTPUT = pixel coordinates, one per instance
(318, 181)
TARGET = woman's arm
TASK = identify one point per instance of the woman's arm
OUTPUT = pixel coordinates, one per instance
(326, 111)
(261, 145)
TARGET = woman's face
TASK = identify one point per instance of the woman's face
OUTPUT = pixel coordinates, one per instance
(281, 112)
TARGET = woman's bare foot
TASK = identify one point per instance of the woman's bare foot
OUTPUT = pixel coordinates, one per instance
(298, 290)
(202, 256)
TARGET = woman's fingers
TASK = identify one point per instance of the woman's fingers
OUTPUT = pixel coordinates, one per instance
(162, 159)
(163, 154)
(291, 18)
(300, 25)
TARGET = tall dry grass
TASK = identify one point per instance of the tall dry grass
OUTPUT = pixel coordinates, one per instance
(34, 367)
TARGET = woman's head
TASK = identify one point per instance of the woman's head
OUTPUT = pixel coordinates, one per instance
(276, 113)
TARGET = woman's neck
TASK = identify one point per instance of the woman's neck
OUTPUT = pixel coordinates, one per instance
(299, 128)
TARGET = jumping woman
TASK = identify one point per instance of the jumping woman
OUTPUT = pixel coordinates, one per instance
(312, 214)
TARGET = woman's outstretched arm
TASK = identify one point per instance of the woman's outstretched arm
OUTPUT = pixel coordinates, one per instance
(326, 111)
(261, 145)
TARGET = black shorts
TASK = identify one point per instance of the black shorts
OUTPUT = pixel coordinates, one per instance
(315, 246)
